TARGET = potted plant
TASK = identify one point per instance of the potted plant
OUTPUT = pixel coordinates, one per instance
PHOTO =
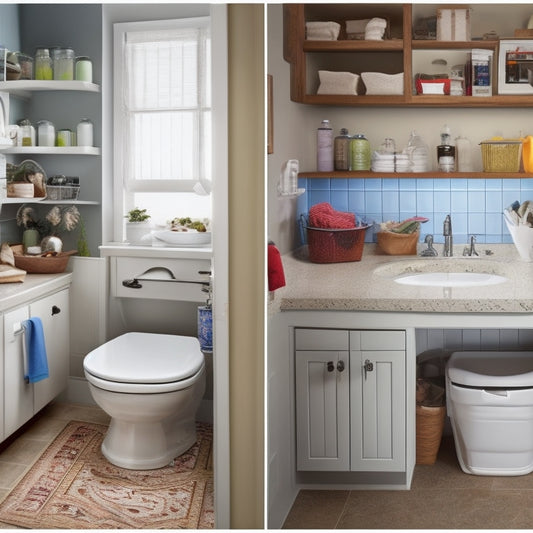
(137, 226)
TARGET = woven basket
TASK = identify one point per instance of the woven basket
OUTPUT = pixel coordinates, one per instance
(429, 428)
(501, 156)
(36, 264)
(335, 245)
(398, 243)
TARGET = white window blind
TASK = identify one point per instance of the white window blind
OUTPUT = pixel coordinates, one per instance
(166, 107)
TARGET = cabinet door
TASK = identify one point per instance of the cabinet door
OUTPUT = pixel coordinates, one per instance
(54, 314)
(322, 410)
(18, 395)
(377, 401)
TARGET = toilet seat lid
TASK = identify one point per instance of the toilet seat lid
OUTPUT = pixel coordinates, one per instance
(491, 369)
(145, 358)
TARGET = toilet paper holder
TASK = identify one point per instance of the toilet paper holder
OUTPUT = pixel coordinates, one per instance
(135, 282)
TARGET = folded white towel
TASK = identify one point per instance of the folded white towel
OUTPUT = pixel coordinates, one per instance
(337, 82)
(375, 29)
(322, 31)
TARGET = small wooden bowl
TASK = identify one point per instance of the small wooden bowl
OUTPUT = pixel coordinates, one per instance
(398, 243)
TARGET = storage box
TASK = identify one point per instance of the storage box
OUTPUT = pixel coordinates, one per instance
(453, 25)
(501, 156)
(62, 192)
(379, 83)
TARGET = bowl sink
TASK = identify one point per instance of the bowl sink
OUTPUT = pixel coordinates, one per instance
(450, 279)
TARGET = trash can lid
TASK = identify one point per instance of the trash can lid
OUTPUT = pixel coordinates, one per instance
(491, 369)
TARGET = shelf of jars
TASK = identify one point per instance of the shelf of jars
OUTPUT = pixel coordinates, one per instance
(433, 174)
(24, 88)
(50, 150)
(12, 200)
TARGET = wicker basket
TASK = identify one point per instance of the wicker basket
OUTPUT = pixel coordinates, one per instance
(62, 192)
(398, 243)
(335, 245)
(36, 264)
(501, 156)
(429, 428)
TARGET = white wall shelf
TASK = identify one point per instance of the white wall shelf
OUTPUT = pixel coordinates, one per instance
(51, 150)
(23, 88)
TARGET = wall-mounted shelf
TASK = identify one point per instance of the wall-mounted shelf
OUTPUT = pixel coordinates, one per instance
(390, 56)
(24, 88)
(51, 150)
(435, 174)
(42, 201)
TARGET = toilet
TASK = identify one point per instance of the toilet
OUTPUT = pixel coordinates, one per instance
(151, 386)
(489, 399)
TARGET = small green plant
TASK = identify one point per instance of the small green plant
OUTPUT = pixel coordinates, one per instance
(137, 215)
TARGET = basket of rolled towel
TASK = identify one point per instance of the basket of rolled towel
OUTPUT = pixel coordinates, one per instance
(333, 236)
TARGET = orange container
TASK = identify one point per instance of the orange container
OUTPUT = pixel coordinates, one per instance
(527, 153)
(398, 243)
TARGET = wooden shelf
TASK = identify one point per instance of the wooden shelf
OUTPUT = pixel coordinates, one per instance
(436, 175)
(392, 45)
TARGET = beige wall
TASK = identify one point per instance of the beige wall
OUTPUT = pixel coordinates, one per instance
(246, 258)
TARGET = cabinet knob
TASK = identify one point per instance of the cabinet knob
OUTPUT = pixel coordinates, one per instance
(331, 366)
(368, 366)
(340, 366)
(55, 310)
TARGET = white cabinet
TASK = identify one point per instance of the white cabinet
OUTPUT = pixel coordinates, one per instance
(377, 401)
(22, 400)
(350, 400)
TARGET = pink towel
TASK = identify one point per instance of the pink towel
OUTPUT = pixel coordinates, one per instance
(324, 216)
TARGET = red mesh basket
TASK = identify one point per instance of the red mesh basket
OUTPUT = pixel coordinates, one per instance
(335, 245)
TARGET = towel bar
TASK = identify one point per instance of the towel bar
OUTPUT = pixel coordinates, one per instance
(134, 283)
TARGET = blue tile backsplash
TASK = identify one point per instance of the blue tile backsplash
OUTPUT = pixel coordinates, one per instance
(476, 205)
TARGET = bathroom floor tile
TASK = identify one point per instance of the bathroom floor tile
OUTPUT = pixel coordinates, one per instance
(442, 496)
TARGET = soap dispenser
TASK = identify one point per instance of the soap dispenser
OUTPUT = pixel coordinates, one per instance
(446, 151)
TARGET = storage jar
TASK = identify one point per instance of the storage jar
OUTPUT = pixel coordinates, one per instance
(46, 133)
(63, 64)
(360, 155)
(84, 69)
(43, 64)
(84, 133)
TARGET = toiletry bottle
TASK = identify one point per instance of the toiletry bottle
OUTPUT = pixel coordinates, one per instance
(446, 151)
(342, 150)
(325, 147)
(463, 154)
(360, 155)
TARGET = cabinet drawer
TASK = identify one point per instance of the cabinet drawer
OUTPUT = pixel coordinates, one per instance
(321, 339)
(377, 340)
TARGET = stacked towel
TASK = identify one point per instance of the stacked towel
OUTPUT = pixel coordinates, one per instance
(35, 350)
(324, 216)
(276, 276)
(322, 31)
(355, 29)
(375, 29)
(337, 82)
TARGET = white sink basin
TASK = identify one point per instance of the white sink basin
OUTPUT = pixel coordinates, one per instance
(449, 279)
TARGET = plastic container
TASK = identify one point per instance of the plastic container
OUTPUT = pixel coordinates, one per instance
(84, 133)
(342, 150)
(324, 152)
(360, 154)
(490, 405)
(46, 133)
(501, 156)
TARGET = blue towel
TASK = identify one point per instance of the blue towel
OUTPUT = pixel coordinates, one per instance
(35, 350)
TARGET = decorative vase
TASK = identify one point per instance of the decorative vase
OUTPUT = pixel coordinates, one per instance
(138, 233)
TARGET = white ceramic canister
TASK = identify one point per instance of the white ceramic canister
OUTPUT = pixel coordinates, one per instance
(85, 133)
(84, 69)
(46, 133)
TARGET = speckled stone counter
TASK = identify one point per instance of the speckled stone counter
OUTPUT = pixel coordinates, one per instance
(368, 285)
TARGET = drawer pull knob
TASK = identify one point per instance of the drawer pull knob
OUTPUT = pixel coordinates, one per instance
(55, 310)
(340, 366)
(331, 366)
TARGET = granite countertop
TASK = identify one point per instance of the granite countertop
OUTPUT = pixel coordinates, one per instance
(368, 285)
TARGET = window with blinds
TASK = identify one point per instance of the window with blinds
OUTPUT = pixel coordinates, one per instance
(162, 103)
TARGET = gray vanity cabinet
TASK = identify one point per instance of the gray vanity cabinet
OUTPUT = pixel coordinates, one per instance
(350, 400)
(22, 400)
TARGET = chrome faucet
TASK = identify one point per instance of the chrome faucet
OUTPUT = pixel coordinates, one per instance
(448, 237)
(472, 250)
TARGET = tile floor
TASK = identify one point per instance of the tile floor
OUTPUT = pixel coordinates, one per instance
(441, 497)
(19, 452)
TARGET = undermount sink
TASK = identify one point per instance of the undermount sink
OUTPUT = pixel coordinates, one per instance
(443, 272)
(450, 279)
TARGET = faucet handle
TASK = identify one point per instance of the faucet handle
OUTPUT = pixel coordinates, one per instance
(429, 251)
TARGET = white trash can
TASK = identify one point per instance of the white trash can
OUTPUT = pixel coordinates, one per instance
(489, 399)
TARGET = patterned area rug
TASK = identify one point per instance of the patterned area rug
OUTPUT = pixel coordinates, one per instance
(72, 486)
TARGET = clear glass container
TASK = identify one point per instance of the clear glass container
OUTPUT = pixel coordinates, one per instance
(63, 64)
(26, 66)
(342, 150)
(43, 64)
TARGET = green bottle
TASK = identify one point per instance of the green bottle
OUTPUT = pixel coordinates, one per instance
(360, 156)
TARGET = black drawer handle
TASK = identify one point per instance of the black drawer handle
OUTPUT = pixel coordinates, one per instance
(55, 310)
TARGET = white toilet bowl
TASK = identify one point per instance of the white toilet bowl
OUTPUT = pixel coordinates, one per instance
(151, 386)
